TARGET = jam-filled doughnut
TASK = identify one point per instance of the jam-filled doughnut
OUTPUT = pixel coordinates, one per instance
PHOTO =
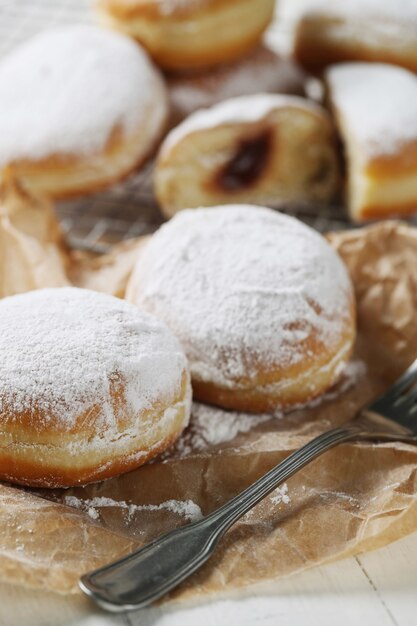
(262, 149)
(375, 107)
(80, 107)
(261, 71)
(260, 302)
(190, 34)
(357, 30)
(89, 387)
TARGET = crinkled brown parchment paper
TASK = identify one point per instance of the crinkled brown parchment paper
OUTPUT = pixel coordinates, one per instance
(32, 249)
(354, 498)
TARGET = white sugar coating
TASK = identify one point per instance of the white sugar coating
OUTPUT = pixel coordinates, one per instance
(242, 286)
(263, 70)
(61, 350)
(185, 508)
(211, 426)
(243, 109)
(67, 89)
(280, 495)
(377, 104)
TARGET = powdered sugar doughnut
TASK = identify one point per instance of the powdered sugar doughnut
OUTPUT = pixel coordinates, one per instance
(375, 107)
(80, 107)
(261, 304)
(357, 30)
(89, 387)
(261, 71)
(189, 34)
(263, 149)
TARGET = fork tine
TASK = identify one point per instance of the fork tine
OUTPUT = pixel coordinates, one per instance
(408, 378)
(408, 399)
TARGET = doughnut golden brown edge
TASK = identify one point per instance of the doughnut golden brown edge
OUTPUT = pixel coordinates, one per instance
(285, 387)
(63, 177)
(189, 35)
(21, 448)
(100, 389)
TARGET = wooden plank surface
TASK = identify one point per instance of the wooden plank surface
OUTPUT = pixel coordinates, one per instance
(375, 589)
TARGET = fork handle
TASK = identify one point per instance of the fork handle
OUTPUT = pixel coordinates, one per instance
(142, 577)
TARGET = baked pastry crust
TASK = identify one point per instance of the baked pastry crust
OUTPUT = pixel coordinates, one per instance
(263, 149)
(374, 105)
(98, 108)
(290, 388)
(261, 304)
(190, 34)
(358, 30)
(63, 177)
(100, 389)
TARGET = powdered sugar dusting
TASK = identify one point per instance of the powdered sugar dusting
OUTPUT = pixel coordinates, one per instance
(240, 286)
(377, 103)
(215, 426)
(211, 426)
(280, 495)
(64, 353)
(67, 89)
(185, 508)
(243, 109)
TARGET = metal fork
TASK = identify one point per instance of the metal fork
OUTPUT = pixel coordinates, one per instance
(142, 577)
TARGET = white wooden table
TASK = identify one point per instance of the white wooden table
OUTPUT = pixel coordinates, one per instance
(375, 589)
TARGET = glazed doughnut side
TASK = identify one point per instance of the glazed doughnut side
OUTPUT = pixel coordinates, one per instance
(98, 107)
(89, 387)
(263, 149)
(190, 35)
(262, 306)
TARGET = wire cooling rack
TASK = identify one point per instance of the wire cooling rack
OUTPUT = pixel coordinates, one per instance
(128, 209)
